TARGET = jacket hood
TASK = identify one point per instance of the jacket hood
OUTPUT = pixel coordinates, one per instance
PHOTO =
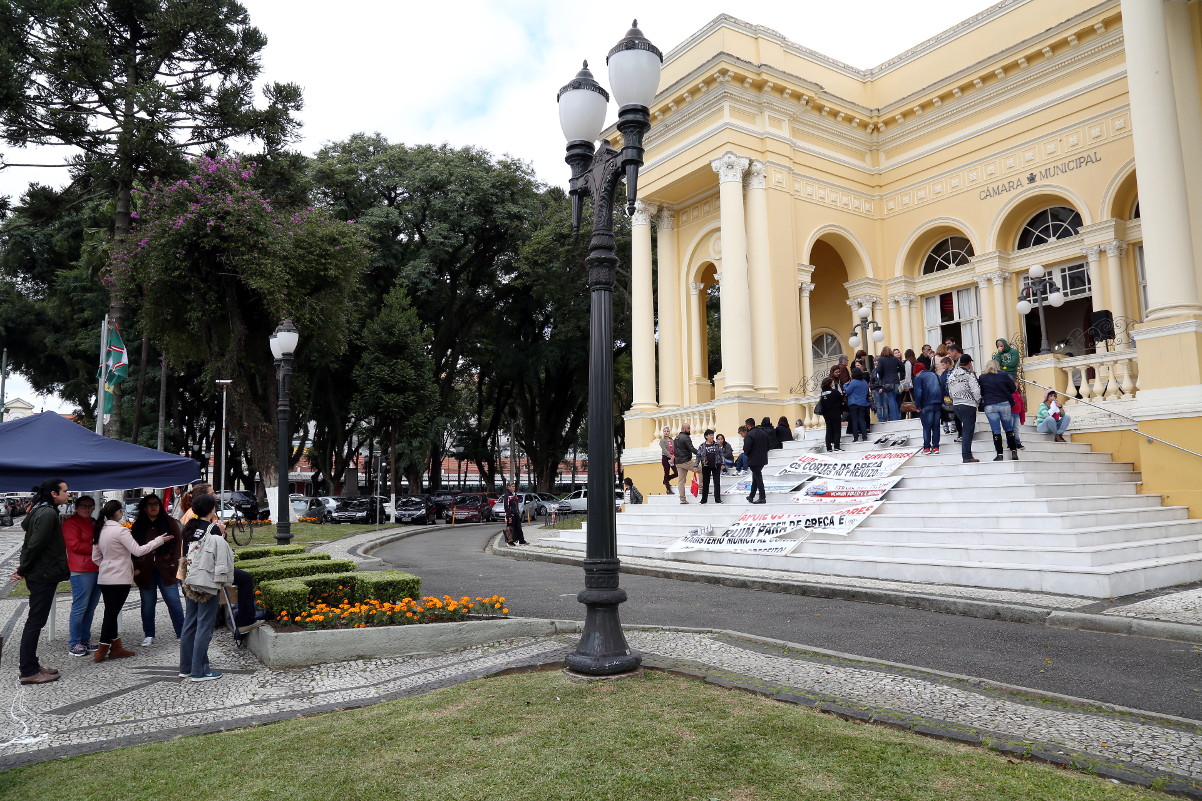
(1008, 347)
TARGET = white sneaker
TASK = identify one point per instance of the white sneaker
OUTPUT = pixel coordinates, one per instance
(149, 641)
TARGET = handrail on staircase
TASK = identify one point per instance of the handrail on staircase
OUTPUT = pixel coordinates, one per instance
(1134, 428)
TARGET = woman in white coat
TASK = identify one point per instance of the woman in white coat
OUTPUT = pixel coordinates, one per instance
(113, 549)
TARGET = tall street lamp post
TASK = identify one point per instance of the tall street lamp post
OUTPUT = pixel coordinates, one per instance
(283, 345)
(225, 383)
(860, 331)
(1044, 291)
(634, 65)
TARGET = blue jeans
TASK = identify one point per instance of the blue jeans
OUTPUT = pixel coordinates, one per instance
(170, 594)
(857, 421)
(967, 415)
(85, 594)
(741, 462)
(887, 406)
(930, 416)
(1000, 417)
(1050, 426)
(199, 619)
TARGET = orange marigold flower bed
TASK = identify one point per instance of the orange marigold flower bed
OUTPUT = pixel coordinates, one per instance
(323, 614)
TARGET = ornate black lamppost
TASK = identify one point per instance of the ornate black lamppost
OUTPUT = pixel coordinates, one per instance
(634, 65)
(283, 345)
(1043, 290)
(860, 331)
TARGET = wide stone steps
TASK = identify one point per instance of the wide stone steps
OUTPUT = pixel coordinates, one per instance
(1061, 518)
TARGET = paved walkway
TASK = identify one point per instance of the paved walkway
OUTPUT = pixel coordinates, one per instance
(101, 706)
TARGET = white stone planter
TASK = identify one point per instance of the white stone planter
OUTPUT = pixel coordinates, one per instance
(299, 648)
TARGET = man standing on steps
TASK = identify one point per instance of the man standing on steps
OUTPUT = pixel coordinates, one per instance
(685, 456)
(756, 445)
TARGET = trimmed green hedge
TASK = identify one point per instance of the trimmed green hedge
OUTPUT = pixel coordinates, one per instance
(294, 594)
(271, 561)
(264, 551)
(264, 570)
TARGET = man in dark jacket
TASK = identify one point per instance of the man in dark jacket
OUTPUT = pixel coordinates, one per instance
(682, 446)
(43, 565)
(928, 397)
(756, 445)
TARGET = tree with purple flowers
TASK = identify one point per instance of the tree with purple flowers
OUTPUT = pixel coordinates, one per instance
(211, 268)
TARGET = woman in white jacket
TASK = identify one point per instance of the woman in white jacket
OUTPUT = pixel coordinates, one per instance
(210, 566)
(113, 549)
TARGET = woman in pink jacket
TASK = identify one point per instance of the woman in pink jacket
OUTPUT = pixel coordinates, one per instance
(113, 551)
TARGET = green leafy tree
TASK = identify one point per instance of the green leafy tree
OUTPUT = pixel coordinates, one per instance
(216, 267)
(446, 224)
(133, 85)
(395, 381)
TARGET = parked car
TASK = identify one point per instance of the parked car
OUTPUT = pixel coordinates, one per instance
(416, 509)
(471, 508)
(541, 504)
(131, 511)
(443, 500)
(247, 505)
(367, 509)
(14, 505)
(312, 507)
(578, 500)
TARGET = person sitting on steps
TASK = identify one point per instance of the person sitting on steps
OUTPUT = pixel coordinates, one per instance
(1051, 419)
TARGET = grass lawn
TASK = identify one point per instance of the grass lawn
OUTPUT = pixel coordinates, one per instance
(541, 736)
(568, 521)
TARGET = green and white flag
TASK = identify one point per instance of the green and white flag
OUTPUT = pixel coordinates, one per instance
(116, 366)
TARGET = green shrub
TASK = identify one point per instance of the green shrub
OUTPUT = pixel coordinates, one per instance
(294, 594)
(271, 561)
(264, 551)
(264, 570)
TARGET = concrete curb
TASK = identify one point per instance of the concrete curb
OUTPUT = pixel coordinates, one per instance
(302, 648)
(989, 610)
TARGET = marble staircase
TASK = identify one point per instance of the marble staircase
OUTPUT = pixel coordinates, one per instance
(1060, 519)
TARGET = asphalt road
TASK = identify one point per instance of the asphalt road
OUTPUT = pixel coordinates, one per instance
(1154, 675)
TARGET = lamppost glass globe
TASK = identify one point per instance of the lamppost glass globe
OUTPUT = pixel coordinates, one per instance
(582, 106)
(1036, 271)
(878, 335)
(634, 65)
(1056, 299)
(1024, 307)
(854, 342)
(864, 312)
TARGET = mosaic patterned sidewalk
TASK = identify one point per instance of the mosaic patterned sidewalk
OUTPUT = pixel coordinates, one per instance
(141, 699)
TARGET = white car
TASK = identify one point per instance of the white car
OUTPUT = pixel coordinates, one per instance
(541, 504)
(578, 500)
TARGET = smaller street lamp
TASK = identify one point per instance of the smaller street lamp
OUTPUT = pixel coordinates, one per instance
(459, 470)
(225, 384)
(283, 345)
(1043, 291)
(863, 327)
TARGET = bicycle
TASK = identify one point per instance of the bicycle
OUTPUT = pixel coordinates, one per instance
(240, 529)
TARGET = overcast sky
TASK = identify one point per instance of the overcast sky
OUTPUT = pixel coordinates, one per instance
(470, 72)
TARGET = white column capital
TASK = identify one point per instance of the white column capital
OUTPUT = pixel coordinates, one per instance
(1115, 248)
(695, 287)
(1093, 252)
(755, 175)
(666, 218)
(906, 300)
(806, 288)
(998, 277)
(871, 301)
(642, 213)
(730, 167)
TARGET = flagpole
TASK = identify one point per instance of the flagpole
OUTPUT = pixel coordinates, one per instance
(104, 342)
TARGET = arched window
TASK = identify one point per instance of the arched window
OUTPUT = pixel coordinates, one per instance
(1058, 222)
(955, 251)
(826, 350)
(1135, 211)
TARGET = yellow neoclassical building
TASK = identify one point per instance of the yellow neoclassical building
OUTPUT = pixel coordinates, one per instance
(783, 190)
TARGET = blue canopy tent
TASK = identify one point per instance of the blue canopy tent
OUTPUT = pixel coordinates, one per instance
(44, 446)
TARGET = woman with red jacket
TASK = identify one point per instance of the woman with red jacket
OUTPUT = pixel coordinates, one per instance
(85, 593)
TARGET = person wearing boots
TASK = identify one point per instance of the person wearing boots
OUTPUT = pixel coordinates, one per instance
(997, 389)
(965, 392)
(666, 458)
(710, 457)
(756, 445)
(685, 453)
(112, 552)
(43, 565)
